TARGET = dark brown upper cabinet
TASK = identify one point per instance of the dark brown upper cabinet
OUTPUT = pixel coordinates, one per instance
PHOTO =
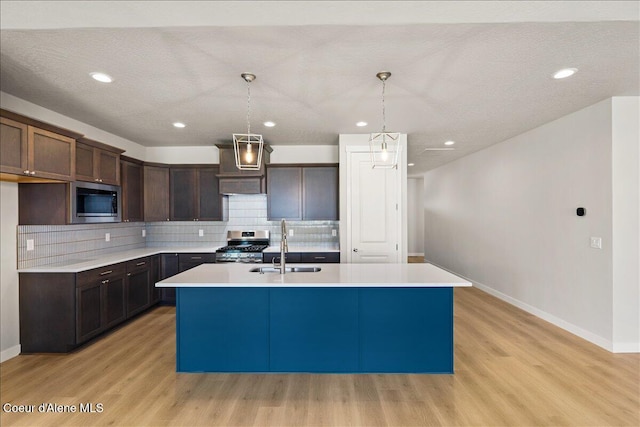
(156, 192)
(35, 152)
(132, 183)
(195, 193)
(302, 192)
(97, 162)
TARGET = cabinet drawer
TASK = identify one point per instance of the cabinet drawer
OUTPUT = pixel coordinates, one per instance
(102, 273)
(289, 257)
(138, 264)
(321, 257)
(197, 257)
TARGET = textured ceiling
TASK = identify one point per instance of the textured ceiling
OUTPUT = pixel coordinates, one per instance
(475, 83)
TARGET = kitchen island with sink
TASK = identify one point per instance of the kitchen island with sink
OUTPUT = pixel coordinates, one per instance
(335, 318)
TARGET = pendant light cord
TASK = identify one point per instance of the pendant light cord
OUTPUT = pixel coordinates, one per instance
(248, 107)
(384, 120)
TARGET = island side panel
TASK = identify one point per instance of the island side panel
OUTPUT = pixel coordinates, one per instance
(222, 329)
(314, 330)
(406, 330)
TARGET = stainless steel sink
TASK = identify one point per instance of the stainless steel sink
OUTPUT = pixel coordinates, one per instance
(263, 270)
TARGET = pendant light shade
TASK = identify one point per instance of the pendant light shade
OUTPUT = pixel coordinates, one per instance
(248, 147)
(384, 146)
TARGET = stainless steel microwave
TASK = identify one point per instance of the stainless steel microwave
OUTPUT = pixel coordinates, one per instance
(91, 202)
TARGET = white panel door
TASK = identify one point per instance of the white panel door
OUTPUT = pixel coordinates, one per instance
(374, 212)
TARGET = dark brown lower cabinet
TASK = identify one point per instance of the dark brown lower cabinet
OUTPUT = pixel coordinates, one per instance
(169, 266)
(303, 257)
(60, 311)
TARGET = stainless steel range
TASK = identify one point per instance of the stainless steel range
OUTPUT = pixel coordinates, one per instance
(243, 246)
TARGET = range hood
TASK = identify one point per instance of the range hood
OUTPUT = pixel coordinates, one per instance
(236, 181)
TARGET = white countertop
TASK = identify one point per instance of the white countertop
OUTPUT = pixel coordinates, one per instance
(303, 248)
(78, 265)
(332, 275)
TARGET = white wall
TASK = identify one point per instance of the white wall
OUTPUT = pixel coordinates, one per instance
(626, 224)
(415, 220)
(505, 217)
(9, 316)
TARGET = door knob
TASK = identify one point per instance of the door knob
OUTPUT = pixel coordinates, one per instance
(355, 249)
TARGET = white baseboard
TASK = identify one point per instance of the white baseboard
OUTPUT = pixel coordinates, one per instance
(626, 347)
(10, 353)
(561, 323)
(416, 253)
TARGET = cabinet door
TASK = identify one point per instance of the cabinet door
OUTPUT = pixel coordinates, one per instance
(156, 193)
(209, 197)
(51, 155)
(108, 167)
(154, 293)
(169, 266)
(89, 311)
(13, 147)
(183, 194)
(132, 197)
(320, 193)
(85, 166)
(137, 291)
(114, 301)
(284, 193)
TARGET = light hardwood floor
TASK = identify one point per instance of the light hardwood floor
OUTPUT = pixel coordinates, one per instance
(512, 369)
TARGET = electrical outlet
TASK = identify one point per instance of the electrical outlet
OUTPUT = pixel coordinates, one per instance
(200, 233)
(30, 244)
(291, 232)
(596, 242)
(107, 237)
(334, 233)
(144, 233)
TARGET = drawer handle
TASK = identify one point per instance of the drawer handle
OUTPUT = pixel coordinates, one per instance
(141, 263)
(319, 257)
(106, 272)
(196, 257)
(105, 281)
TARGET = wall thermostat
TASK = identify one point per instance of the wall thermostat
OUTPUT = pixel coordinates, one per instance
(581, 211)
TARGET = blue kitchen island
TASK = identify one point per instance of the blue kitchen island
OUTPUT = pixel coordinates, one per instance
(346, 318)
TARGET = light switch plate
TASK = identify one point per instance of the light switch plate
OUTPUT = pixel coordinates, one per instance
(144, 233)
(107, 237)
(334, 233)
(291, 232)
(200, 233)
(30, 244)
(596, 242)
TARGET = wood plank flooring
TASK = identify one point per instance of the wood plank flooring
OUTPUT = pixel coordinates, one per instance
(512, 369)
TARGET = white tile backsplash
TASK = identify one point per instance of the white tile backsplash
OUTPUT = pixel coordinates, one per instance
(64, 243)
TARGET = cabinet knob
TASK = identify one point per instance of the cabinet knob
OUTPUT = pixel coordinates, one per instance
(33, 172)
(355, 249)
(26, 172)
(128, 274)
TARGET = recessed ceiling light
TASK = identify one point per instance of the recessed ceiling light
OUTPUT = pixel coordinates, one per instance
(102, 77)
(411, 164)
(179, 125)
(269, 124)
(449, 143)
(564, 73)
(361, 124)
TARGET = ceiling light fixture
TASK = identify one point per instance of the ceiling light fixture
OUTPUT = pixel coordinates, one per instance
(248, 157)
(361, 124)
(179, 125)
(384, 146)
(269, 124)
(449, 143)
(102, 77)
(564, 73)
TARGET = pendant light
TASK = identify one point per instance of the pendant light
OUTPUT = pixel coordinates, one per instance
(384, 146)
(247, 147)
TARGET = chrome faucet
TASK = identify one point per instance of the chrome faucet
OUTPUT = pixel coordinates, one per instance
(284, 247)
